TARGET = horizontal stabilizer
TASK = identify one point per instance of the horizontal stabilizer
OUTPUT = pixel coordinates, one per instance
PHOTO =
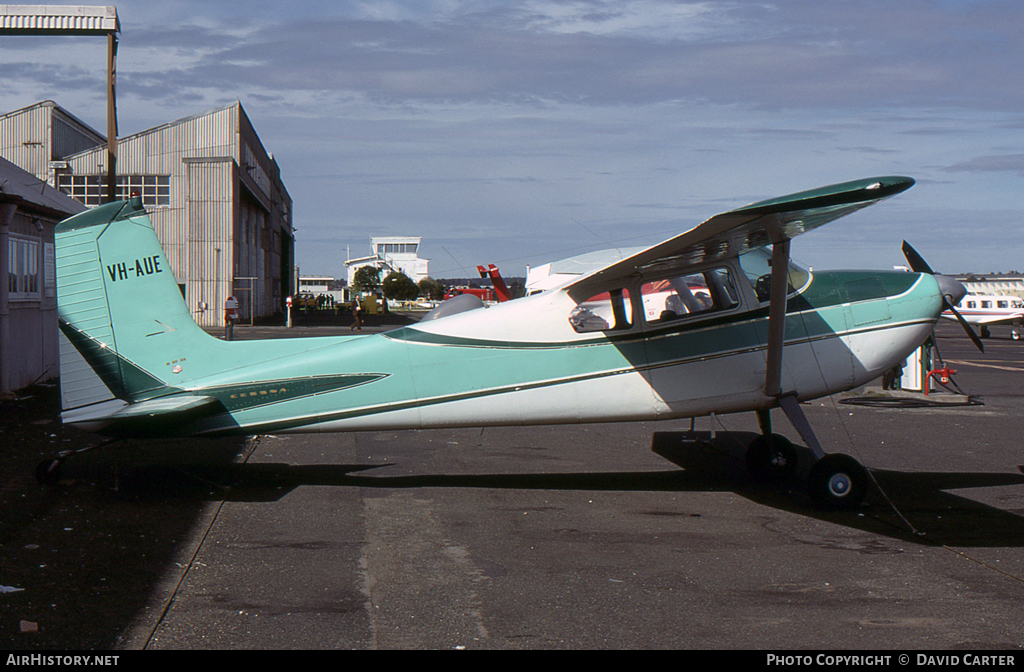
(165, 406)
(113, 416)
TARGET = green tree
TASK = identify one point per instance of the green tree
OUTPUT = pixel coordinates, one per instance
(400, 287)
(431, 289)
(366, 279)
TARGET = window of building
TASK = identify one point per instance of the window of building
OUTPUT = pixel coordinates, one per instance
(23, 269)
(91, 190)
(396, 248)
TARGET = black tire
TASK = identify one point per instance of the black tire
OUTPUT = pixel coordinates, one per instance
(772, 458)
(48, 472)
(837, 482)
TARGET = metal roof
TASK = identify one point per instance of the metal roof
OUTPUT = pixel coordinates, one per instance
(58, 20)
(31, 193)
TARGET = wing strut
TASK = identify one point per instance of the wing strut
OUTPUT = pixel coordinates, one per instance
(777, 317)
(776, 342)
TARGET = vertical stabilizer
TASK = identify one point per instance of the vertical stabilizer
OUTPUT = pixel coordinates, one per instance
(124, 325)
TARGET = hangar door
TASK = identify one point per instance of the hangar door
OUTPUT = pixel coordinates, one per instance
(210, 254)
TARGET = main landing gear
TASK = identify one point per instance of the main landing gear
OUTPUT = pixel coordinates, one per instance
(835, 481)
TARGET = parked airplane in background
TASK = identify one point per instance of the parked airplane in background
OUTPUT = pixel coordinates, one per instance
(990, 310)
(501, 291)
(738, 328)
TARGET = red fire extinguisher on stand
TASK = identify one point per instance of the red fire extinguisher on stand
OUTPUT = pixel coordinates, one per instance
(230, 317)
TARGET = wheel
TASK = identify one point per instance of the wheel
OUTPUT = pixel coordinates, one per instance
(837, 482)
(1014, 334)
(985, 332)
(48, 472)
(771, 457)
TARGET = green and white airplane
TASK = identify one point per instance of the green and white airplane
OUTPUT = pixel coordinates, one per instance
(714, 320)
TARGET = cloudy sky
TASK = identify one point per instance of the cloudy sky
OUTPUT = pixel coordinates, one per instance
(517, 133)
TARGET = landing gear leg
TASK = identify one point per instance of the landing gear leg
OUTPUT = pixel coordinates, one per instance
(771, 457)
(835, 481)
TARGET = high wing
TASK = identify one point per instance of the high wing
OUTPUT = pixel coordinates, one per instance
(756, 225)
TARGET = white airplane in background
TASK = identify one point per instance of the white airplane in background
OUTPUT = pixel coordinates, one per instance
(989, 310)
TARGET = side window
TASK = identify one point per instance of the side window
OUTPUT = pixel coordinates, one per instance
(692, 294)
(1002, 304)
(611, 310)
(986, 304)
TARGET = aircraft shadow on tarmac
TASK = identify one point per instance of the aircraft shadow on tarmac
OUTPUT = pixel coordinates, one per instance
(910, 506)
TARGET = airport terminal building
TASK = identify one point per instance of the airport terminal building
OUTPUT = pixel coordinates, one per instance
(389, 254)
(213, 192)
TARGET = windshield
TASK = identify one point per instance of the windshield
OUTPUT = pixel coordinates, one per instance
(757, 266)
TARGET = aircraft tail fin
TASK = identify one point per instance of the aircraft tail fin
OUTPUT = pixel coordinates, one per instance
(125, 330)
(501, 290)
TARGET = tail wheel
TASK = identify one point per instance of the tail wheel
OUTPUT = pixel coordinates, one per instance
(837, 482)
(48, 472)
(772, 457)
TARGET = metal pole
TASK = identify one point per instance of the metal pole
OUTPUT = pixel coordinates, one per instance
(111, 118)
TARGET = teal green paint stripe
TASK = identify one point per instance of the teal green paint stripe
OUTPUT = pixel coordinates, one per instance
(505, 389)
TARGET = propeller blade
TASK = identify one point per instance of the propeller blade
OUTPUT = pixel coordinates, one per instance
(916, 261)
(964, 324)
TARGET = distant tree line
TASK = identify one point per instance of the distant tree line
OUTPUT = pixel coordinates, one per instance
(400, 287)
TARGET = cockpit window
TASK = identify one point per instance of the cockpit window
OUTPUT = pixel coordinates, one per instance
(611, 310)
(757, 266)
(672, 298)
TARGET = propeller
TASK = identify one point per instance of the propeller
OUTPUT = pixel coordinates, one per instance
(952, 290)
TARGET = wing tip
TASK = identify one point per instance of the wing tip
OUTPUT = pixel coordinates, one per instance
(843, 193)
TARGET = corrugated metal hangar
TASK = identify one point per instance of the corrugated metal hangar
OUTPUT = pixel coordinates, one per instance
(214, 194)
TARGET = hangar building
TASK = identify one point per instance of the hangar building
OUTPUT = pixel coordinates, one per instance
(213, 192)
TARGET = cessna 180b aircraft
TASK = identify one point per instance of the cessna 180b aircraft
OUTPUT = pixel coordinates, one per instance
(714, 320)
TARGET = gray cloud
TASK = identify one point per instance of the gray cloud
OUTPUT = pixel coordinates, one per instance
(865, 54)
(1005, 163)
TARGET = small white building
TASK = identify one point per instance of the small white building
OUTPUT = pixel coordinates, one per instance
(1003, 284)
(315, 284)
(389, 254)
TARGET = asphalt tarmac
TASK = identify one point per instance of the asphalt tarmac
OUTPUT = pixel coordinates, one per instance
(620, 536)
